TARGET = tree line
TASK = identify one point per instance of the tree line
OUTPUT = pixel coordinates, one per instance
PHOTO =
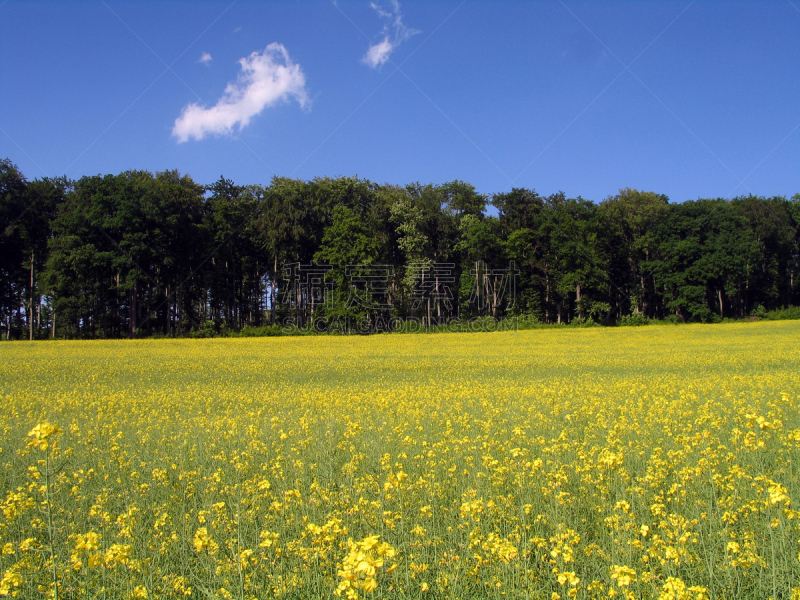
(142, 254)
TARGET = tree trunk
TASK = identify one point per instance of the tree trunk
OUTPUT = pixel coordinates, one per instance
(438, 301)
(132, 317)
(311, 294)
(30, 309)
(167, 312)
(428, 304)
(478, 288)
(495, 301)
(644, 297)
(117, 324)
(272, 291)
(578, 300)
(546, 295)
(486, 291)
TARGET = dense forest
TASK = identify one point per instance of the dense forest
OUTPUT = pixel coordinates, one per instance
(138, 254)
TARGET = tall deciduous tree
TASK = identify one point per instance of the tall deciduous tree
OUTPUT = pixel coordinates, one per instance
(144, 254)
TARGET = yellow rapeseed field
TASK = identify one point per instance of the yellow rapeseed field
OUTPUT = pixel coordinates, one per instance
(653, 462)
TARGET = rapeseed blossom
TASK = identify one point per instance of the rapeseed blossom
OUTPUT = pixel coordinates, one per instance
(655, 463)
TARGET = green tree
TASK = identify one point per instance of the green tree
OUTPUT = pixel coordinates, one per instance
(13, 186)
(575, 261)
(631, 218)
(346, 245)
(524, 237)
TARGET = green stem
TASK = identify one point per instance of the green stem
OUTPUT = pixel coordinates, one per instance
(50, 523)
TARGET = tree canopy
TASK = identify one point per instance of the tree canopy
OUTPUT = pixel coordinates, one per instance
(139, 254)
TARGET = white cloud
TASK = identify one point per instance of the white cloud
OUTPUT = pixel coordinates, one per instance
(394, 33)
(379, 53)
(205, 58)
(267, 78)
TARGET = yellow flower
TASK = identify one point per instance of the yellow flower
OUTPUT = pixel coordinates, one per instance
(369, 584)
(11, 579)
(40, 433)
(778, 493)
(623, 575)
(203, 541)
(359, 569)
(118, 553)
(568, 577)
(88, 542)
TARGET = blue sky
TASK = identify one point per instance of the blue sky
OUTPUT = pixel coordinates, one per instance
(688, 99)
